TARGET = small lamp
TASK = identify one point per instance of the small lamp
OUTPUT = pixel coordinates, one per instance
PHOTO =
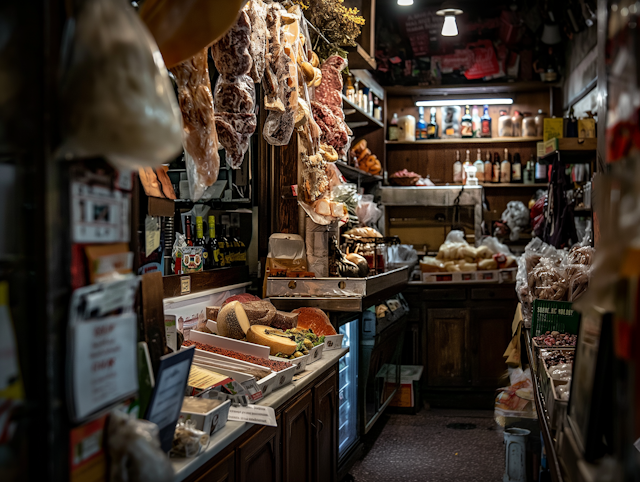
(449, 10)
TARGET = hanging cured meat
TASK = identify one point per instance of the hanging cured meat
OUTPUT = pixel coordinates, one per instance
(257, 11)
(199, 137)
(235, 91)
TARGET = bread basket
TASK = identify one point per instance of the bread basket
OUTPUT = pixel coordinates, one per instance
(404, 181)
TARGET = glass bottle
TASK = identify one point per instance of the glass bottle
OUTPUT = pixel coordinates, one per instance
(479, 165)
(485, 123)
(421, 125)
(539, 120)
(187, 231)
(223, 244)
(488, 168)
(541, 172)
(530, 171)
(496, 168)
(476, 122)
(350, 91)
(516, 169)
(467, 163)
(457, 169)
(392, 129)
(505, 168)
(466, 124)
(432, 126)
(213, 251)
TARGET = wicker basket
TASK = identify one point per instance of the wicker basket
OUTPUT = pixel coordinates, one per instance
(404, 181)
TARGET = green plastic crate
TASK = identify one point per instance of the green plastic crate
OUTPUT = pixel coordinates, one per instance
(554, 316)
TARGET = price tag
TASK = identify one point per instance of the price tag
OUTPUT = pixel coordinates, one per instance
(254, 414)
(185, 285)
(151, 235)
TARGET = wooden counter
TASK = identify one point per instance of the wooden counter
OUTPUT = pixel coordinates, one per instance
(304, 445)
(458, 332)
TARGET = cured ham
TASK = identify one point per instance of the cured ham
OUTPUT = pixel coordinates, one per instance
(257, 11)
(200, 138)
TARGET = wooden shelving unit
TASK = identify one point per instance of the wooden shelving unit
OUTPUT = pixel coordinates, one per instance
(573, 151)
(359, 58)
(355, 116)
(205, 280)
(478, 140)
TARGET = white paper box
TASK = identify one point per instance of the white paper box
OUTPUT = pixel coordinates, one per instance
(315, 353)
(333, 342)
(243, 347)
(211, 421)
(300, 362)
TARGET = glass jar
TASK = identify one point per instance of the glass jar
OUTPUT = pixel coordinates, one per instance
(529, 127)
(505, 125)
(517, 124)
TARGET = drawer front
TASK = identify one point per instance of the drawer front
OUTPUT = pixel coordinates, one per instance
(444, 294)
(502, 293)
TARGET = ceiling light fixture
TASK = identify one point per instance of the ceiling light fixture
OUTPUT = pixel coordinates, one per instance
(438, 103)
(405, 3)
(449, 10)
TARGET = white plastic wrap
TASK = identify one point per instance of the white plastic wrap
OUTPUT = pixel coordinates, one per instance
(516, 216)
(367, 211)
(117, 99)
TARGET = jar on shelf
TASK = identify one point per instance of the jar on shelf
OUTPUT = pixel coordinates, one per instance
(505, 124)
(517, 124)
(529, 128)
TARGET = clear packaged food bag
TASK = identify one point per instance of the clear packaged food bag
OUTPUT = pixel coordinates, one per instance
(188, 441)
(516, 400)
(116, 98)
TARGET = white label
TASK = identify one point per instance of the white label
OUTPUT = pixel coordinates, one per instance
(254, 414)
(104, 354)
(185, 285)
(151, 235)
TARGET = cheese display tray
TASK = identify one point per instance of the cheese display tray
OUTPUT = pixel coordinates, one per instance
(300, 362)
(333, 342)
(315, 353)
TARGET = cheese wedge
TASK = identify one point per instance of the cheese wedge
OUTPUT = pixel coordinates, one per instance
(233, 321)
(262, 335)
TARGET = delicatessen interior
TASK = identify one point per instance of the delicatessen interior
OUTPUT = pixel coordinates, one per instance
(322, 240)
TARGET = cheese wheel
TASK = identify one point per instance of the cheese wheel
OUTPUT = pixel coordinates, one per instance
(233, 321)
(262, 335)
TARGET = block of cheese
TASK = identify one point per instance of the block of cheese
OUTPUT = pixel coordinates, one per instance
(259, 312)
(276, 340)
(212, 312)
(242, 298)
(232, 321)
(284, 320)
(316, 320)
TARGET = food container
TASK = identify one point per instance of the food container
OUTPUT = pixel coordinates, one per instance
(529, 127)
(300, 362)
(407, 128)
(333, 342)
(556, 407)
(208, 415)
(315, 353)
(231, 344)
(281, 378)
(517, 124)
(263, 384)
(505, 125)
(539, 120)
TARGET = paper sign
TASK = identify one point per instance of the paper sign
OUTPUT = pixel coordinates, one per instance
(151, 234)
(99, 214)
(254, 414)
(202, 378)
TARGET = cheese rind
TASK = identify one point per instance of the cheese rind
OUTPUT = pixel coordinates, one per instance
(232, 321)
(212, 312)
(259, 334)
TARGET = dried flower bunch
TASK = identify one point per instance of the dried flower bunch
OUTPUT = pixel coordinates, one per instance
(341, 25)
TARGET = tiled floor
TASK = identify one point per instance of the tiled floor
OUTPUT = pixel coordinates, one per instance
(420, 448)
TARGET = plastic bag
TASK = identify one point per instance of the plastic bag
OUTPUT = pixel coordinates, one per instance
(135, 452)
(188, 441)
(115, 92)
(347, 194)
(516, 216)
(516, 400)
(317, 238)
(401, 255)
(367, 211)
(496, 246)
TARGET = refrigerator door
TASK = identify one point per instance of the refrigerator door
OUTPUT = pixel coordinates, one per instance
(348, 389)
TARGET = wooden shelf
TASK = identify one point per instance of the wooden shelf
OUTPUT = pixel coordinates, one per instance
(471, 88)
(359, 58)
(205, 280)
(473, 140)
(354, 116)
(513, 184)
(573, 151)
(355, 174)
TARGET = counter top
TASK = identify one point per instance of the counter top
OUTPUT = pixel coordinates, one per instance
(466, 283)
(233, 430)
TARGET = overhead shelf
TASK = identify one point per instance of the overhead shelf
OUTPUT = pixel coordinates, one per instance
(359, 58)
(473, 140)
(355, 174)
(355, 116)
(573, 150)
(471, 89)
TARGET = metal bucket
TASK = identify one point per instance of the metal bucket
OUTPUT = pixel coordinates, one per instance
(515, 441)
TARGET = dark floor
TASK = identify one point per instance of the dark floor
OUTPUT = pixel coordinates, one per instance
(421, 448)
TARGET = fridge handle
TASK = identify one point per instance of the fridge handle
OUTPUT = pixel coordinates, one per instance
(321, 426)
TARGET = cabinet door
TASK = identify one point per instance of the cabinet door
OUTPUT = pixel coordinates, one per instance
(259, 457)
(446, 347)
(490, 334)
(325, 414)
(298, 439)
(223, 471)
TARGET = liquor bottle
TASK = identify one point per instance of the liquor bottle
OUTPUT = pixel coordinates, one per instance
(475, 121)
(421, 126)
(530, 171)
(541, 172)
(496, 168)
(485, 123)
(235, 247)
(187, 231)
(505, 168)
(488, 168)
(242, 252)
(479, 165)
(432, 126)
(467, 163)
(199, 241)
(516, 169)
(457, 169)
(222, 245)
(213, 251)
(350, 91)
(466, 124)
(392, 129)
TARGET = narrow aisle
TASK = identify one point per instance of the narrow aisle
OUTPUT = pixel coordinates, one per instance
(437, 445)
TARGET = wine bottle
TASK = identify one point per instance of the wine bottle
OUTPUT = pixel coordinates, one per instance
(213, 251)
(530, 171)
(505, 168)
(466, 124)
(485, 123)
(496, 168)
(488, 168)
(187, 231)
(541, 172)
(467, 163)
(432, 126)
(392, 129)
(457, 169)
(479, 165)
(516, 169)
